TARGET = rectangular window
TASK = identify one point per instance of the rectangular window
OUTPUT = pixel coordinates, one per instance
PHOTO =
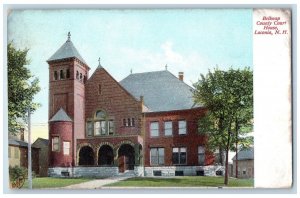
(90, 128)
(103, 127)
(201, 155)
(132, 122)
(97, 128)
(66, 146)
(157, 156)
(154, 132)
(168, 128)
(111, 127)
(55, 143)
(17, 152)
(179, 155)
(182, 127)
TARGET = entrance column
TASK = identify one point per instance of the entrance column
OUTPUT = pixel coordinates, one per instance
(137, 154)
(95, 158)
(116, 161)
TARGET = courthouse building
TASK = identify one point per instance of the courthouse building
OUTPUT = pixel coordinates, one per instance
(144, 125)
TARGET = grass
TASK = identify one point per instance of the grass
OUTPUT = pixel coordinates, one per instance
(186, 181)
(51, 182)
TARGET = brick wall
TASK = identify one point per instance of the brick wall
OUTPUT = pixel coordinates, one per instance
(63, 130)
(191, 140)
(114, 100)
(69, 93)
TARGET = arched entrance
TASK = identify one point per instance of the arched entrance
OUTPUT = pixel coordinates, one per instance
(86, 156)
(105, 156)
(126, 158)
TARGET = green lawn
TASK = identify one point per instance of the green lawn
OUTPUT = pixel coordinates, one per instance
(51, 182)
(187, 181)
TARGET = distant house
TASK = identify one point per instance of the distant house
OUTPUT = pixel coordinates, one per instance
(43, 145)
(245, 163)
(18, 154)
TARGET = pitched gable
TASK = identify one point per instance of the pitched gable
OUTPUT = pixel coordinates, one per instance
(104, 92)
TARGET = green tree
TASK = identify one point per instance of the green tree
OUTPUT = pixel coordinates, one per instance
(22, 87)
(228, 97)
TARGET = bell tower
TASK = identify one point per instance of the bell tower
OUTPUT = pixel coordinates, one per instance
(68, 73)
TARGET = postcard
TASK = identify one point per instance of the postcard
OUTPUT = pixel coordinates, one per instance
(144, 98)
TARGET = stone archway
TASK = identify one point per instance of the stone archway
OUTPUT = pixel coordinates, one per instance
(105, 156)
(126, 157)
(86, 156)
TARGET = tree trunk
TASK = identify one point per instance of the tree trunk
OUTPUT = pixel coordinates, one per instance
(226, 168)
(226, 162)
(236, 147)
(236, 158)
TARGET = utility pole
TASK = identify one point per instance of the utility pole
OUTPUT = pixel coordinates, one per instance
(29, 152)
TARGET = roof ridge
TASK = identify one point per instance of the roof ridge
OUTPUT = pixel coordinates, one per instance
(147, 72)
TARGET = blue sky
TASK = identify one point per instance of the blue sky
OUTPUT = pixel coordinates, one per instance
(188, 40)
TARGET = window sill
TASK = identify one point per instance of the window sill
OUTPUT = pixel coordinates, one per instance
(155, 137)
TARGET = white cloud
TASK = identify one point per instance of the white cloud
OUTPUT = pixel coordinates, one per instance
(144, 60)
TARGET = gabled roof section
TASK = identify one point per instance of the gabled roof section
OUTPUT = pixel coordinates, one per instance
(245, 154)
(43, 141)
(67, 50)
(162, 91)
(19, 143)
(101, 68)
(61, 115)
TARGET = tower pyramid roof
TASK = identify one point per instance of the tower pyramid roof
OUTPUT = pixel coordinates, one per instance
(61, 115)
(67, 50)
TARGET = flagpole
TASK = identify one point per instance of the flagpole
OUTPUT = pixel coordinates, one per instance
(29, 152)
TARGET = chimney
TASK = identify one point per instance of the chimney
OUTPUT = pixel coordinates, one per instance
(180, 76)
(22, 134)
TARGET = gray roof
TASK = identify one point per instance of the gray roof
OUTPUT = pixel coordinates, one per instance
(67, 50)
(61, 115)
(19, 143)
(245, 154)
(162, 91)
(42, 141)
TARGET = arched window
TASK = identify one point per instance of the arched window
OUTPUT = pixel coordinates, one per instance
(55, 75)
(100, 114)
(103, 125)
(84, 78)
(68, 73)
(77, 75)
(99, 89)
(62, 74)
(80, 76)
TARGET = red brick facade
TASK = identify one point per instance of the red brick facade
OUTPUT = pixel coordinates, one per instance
(190, 141)
(114, 100)
(109, 126)
(67, 93)
(62, 130)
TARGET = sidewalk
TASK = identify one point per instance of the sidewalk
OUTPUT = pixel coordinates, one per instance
(94, 184)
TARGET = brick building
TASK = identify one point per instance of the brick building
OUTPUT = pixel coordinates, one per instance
(144, 125)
